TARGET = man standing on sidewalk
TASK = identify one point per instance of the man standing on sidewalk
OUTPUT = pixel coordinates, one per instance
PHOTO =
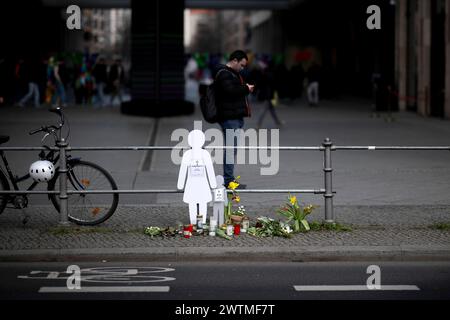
(231, 98)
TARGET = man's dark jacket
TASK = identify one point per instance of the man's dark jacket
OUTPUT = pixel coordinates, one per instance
(231, 94)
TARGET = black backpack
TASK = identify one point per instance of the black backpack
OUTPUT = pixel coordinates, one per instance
(208, 103)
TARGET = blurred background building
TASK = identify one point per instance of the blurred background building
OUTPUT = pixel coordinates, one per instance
(404, 66)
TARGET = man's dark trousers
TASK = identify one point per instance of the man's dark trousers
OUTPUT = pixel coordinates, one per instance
(228, 166)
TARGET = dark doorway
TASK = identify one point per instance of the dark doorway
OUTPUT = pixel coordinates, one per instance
(411, 69)
(437, 64)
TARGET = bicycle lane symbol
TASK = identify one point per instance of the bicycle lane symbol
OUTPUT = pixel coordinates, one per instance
(109, 279)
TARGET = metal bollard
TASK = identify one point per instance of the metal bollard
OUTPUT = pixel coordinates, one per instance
(63, 203)
(328, 173)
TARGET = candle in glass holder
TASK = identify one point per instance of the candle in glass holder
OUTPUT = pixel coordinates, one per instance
(245, 224)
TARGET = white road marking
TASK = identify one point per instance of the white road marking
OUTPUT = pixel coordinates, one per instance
(105, 289)
(53, 275)
(357, 288)
(107, 274)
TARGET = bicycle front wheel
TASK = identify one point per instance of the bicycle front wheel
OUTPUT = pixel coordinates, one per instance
(87, 209)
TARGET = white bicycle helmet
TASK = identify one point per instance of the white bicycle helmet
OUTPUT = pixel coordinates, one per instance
(42, 171)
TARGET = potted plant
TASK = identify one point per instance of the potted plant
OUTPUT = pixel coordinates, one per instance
(238, 215)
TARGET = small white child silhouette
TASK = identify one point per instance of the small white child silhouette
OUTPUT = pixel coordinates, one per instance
(220, 200)
(197, 165)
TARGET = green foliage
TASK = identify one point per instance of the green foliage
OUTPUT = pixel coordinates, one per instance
(164, 232)
(324, 226)
(71, 230)
(267, 227)
(440, 226)
(296, 214)
(152, 231)
(221, 233)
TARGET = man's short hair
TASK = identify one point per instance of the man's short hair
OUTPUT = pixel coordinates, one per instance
(239, 55)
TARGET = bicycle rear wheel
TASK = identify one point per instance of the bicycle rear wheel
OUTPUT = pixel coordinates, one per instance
(4, 186)
(87, 209)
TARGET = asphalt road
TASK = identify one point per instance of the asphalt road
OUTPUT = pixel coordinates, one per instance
(268, 283)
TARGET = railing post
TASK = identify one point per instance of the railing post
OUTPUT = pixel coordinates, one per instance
(328, 173)
(63, 203)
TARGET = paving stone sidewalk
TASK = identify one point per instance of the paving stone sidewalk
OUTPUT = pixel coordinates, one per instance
(387, 229)
(393, 201)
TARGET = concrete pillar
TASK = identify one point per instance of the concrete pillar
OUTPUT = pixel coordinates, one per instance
(157, 60)
(157, 50)
(423, 57)
(401, 52)
(447, 60)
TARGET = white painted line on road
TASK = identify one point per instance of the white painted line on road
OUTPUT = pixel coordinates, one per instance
(372, 148)
(357, 288)
(105, 289)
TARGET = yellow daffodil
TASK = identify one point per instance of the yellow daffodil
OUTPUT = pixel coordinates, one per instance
(309, 209)
(293, 200)
(237, 199)
(233, 185)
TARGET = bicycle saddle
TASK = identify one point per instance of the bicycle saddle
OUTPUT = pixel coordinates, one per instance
(4, 139)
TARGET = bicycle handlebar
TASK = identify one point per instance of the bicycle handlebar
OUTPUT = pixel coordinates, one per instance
(35, 131)
(53, 129)
(43, 129)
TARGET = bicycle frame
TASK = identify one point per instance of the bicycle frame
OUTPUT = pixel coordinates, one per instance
(15, 180)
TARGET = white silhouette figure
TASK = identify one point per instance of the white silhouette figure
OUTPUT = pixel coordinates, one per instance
(197, 165)
(220, 200)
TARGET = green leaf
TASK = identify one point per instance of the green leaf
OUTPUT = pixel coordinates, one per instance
(222, 234)
(296, 226)
(305, 224)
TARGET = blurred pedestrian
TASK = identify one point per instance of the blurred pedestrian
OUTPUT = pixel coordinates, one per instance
(84, 85)
(116, 80)
(30, 74)
(100, 74)
(266, 93)
(313, 76)
(19, 81)
(55, 82)
(281, 76)
(296, 79)
(191, 82)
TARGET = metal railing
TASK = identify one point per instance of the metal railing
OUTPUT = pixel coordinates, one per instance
(327, 147)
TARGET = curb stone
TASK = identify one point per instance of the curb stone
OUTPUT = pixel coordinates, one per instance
(298, 254)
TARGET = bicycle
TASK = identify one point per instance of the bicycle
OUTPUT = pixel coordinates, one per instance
(84, 209)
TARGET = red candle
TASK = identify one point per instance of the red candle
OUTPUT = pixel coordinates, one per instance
(187, 231)
(237, 229)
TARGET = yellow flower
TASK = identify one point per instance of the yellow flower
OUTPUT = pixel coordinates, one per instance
(238, 177)
(237, 199)
(293, 200)
(309, 209)
(233, 185)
